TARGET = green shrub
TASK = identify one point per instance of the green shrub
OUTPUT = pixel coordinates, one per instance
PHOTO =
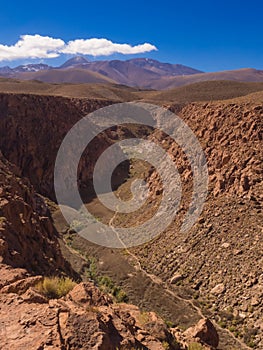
(55, 287)
(108, 286)
(121, 296)
(91, 271)
(169, 324)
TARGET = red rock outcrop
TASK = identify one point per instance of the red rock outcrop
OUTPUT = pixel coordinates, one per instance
(85, 318)
(231, 137)
(204, 331)
(28, 238)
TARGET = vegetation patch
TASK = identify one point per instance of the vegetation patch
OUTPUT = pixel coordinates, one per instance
(195, 346)
(55, 287)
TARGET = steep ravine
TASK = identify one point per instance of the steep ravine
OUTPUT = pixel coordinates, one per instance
(219, 261)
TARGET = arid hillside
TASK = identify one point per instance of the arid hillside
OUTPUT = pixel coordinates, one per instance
(218, 262)
(204, 91)
(241, 75)
(221, 257)
(68, 76)
(94, 91)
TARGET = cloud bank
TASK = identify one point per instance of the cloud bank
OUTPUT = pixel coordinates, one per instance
(104, 47)
(37, 46)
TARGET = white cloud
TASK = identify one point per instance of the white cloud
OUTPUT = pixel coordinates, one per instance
(37, 46)
(104, 47)
(32, 46)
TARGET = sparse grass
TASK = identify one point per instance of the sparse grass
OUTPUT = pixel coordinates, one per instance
(144, 317)
(55, 287)
(212, 90)
(249, 336)
(195, 346)
(68, 239)
(222, 324)
(105, 283)
(165, 345)
(91, 271)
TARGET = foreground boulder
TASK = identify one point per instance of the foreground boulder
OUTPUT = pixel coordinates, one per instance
(205, 332)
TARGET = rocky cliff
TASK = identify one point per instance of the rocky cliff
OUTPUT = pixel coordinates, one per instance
(28, 238)
(32, 128)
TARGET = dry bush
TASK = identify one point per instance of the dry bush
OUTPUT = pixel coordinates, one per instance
(55, 287)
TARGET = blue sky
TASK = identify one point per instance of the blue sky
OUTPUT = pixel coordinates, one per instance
(207, 35)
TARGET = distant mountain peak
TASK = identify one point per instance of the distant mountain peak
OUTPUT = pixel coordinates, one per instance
(5, 70)
(75, 61)
(31, 68)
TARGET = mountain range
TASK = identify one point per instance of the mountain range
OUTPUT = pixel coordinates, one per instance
(142, 73)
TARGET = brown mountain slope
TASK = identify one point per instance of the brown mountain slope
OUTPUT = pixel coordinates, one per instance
(204, 91)
(220, 258)
(89, 90)
(136, 77)
(243, 75)
(65, 76)
(218, 264)
(138, 72)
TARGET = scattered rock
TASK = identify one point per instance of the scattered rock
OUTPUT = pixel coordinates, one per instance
(218, 289)
(176, 278)
(225, 245)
